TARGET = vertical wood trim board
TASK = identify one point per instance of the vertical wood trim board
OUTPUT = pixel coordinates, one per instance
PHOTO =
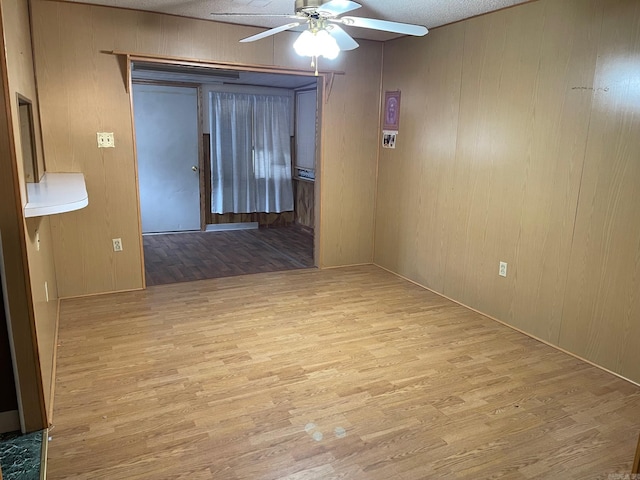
(636, 460)
(140, 243)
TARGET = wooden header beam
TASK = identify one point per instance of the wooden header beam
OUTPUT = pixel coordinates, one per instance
(327, 75)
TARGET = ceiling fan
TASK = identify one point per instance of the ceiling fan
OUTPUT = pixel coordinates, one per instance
(324, 36)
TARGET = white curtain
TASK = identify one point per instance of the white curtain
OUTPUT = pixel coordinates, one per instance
(250, 153)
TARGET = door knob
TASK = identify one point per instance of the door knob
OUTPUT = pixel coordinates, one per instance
(194, 168)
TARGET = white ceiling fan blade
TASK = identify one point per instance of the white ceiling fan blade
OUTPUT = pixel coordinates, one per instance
(344, 40)
(385, 25)
(266, 15)
(338, 7)
(270, 32)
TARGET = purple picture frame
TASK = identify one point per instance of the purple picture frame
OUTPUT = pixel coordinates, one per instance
(391, 119)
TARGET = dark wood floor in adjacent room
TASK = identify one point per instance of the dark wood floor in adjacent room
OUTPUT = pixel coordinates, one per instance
(348, 373)
(188, 256)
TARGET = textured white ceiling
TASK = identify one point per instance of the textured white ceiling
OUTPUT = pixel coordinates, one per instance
(430, 13)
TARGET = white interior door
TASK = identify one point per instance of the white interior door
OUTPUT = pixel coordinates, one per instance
(166, 125)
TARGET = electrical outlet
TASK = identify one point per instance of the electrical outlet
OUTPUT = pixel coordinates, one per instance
(106, 140)
(37, 241)
(502, 271)
(117, 244)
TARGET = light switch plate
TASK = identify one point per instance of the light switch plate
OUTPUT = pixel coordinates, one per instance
(502, 271)
(106, 140)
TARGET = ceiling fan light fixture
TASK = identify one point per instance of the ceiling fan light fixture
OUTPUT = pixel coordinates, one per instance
(316, 44)
(324, 37)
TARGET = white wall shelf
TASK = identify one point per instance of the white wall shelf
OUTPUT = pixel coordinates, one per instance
(56, 193)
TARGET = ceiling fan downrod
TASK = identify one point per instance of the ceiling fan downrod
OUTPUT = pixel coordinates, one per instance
(302, 5)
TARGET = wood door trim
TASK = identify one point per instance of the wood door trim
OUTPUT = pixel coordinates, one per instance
(20, 306)
(129, 89)
(327, 75)
(202, 162)
(206, 174)
(200, 62)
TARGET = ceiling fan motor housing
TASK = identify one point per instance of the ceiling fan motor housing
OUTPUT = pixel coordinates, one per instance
(302, 5)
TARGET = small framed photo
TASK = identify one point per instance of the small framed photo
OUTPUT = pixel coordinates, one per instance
(391, 110)
(389, 138)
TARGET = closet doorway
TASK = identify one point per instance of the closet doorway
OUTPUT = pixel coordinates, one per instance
(190, 155)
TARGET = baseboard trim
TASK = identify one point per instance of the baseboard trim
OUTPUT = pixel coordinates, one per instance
(9, 421)
(225, 227)
(53, 366)
(95, 294)
(330, 267)
(604, 369)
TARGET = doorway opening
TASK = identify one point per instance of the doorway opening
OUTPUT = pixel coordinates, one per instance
(10, 407)
(226, 170)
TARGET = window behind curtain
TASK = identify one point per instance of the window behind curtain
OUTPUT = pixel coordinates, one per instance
(250, 153)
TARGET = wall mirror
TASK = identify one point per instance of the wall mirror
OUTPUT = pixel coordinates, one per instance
(27, 138)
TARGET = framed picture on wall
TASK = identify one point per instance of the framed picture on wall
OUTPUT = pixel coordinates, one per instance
(391, 110)
(389, 138)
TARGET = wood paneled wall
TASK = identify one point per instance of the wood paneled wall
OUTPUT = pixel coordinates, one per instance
(519, 142)
(305, 201)
(41, 262)
(346, 174)
(262, 218)
(601, 318)
(82, 92)
(32, 319)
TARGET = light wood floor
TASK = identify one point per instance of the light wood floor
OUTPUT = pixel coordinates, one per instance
(348, 373)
